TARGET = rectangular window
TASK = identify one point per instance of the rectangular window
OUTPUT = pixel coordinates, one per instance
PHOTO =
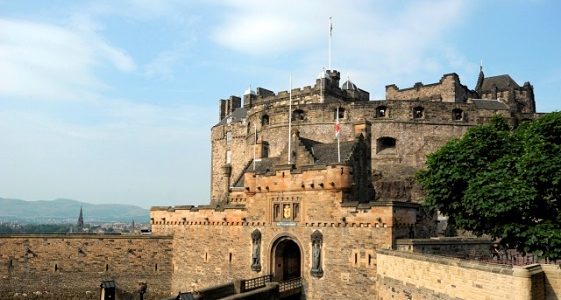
(228, 137)
(276, 212)
(229, 157)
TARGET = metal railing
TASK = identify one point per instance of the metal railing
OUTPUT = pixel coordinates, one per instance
(291, 286)
(254, 283)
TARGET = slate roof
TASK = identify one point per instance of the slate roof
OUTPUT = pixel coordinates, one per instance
(326, 154)
(237, 115)
(502, 82)
(490, 104)
(263, 165)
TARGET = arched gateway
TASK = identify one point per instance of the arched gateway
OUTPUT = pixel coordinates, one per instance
(286, 259)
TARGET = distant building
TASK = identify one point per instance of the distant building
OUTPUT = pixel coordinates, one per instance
(80, 223)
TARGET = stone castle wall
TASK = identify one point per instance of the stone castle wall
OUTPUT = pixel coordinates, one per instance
(448, 89)
(219, 239)
(415, 137)
(73, 266)
(404, 275)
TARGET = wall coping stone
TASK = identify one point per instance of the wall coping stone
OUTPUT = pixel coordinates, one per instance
(84, 236)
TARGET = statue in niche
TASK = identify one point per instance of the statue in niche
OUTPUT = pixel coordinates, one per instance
(286, 213)
(256, 250)
(317, 239)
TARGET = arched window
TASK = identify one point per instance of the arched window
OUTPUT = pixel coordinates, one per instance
(385, 145)
(381, 111)
(457, 114)
(418, 112)
(298, 115)
(265, 120)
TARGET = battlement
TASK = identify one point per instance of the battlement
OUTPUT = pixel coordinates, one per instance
(325, 90)
(448, 89)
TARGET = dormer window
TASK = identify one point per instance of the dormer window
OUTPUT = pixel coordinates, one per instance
(418, 112)
(457, 114)
(381, 111)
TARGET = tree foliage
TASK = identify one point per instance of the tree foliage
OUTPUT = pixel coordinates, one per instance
(502, 182)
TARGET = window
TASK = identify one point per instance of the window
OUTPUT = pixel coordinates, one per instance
(385, 145)
(381, 111)
(229, 157)
(457, 114)
(276, 212)
(265, 150)
(228, 137)
(341, 113)
(418, 112)
(265, 120)
(298, 115)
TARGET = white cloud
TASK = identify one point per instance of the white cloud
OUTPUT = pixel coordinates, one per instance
(45, 61)
(378, 38)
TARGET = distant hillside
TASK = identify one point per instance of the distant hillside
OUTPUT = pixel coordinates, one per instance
(67, 211)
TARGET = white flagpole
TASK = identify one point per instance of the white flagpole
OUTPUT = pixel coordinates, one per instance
(255, 145)
(289, 119)
(330, 33)
(338, 133)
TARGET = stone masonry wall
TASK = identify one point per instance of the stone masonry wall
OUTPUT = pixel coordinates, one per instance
(404, 275)
(447, 90)
(415, 137)
(73, 266)
(219, 254)
(219, 239)
(552, 281)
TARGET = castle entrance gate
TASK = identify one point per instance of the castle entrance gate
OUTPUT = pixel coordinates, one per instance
(286, 259)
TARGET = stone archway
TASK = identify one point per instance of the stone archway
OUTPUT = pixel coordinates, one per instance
(286, 259)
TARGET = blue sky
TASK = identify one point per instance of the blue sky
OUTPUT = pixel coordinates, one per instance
(112, 101)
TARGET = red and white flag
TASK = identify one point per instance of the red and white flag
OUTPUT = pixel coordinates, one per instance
(337, 125)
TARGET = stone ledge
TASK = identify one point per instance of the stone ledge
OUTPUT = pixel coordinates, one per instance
(443, 241)
(85, 236)
(469, 264)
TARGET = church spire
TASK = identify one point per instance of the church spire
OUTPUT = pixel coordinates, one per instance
(480, 79)
(80, 223)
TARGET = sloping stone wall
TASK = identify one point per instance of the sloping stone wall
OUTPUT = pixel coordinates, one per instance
(403, 275)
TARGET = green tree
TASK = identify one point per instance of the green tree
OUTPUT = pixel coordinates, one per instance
(502, 182)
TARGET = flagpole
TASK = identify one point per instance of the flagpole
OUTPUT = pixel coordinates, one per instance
(289, 120)
(330, 33)
(254, 146)
(338, 128)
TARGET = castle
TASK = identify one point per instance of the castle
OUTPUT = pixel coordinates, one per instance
(296, 209)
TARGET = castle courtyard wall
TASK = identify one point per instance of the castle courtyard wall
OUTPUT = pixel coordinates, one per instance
(73, 266)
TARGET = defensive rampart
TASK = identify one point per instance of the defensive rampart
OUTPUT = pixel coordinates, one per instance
(73, 266)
